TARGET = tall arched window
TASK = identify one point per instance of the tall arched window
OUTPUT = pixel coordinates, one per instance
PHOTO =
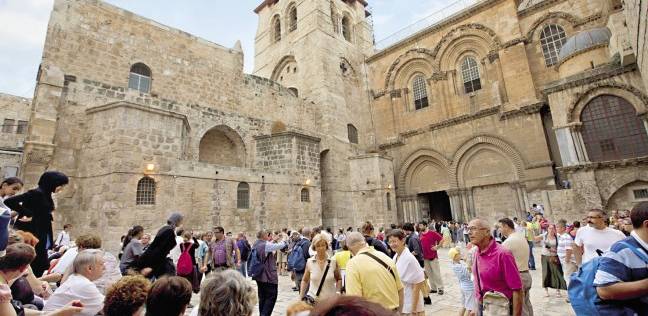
(292, 19)
(612, 130)
(145, 192)
(470, 74)
(353, 134)
(276, 28)
(305, 195)
(419, 88)
(552, 39)
(388, 196)
(346, 28)
(140, 78)
(243, 196)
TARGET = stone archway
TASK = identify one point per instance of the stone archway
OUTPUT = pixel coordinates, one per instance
(627, 196)
(488, 174)
(222, 146)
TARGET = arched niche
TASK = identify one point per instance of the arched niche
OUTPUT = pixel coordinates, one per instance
(222, 146)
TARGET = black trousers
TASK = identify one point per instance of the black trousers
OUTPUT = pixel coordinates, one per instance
(267, 297)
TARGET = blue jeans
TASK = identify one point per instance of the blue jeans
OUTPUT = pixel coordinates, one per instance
(243, 268)
(531, 259)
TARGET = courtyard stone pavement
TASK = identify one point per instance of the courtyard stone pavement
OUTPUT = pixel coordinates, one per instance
(449, 303)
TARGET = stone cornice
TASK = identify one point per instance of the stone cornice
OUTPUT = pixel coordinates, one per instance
(538, 6)
(139, 107)
(524, 110)
(461, 15)
(605, 164)
(290, 134)
(587, 77)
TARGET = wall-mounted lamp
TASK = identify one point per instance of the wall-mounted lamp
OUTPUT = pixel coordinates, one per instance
(150, 167)
(308, 181)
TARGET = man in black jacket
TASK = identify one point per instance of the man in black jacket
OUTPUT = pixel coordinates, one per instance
(154, 262)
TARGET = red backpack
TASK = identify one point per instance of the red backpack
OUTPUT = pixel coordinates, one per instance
(185, 266)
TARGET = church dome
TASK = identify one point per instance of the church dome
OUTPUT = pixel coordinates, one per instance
(584, 41)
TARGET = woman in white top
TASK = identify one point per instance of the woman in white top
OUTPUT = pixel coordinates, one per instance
(315, 270)
(410, 272)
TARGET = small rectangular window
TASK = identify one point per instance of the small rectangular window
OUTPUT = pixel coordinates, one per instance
(640, 194)
(8, 126)
(22, 127)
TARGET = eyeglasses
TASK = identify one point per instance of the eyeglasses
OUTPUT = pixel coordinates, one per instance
(473, 228)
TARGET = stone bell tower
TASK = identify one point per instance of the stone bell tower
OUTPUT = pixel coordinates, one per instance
(317, 49)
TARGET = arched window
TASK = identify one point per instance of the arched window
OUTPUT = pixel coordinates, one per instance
(292, 19)
(243, 196)
(140, 78)
(419, 88)
(346, 28)
(612, 130)
(552, 39)
(388, 196)
(294, 91)
(470, 74)
(353, 133)
(276, 28)
(305, 195)
(145, 192)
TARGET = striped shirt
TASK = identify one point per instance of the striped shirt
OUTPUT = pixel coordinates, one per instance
(621, 264)
(461, 271)
(565, 243)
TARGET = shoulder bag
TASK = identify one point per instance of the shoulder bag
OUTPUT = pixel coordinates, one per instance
(311, 300)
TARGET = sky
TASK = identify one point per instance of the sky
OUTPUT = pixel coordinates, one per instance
(23, 24)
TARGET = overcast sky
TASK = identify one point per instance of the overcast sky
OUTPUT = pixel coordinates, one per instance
(23, 24)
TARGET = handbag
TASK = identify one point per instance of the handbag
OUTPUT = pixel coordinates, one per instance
(311, 300)
(493, 303)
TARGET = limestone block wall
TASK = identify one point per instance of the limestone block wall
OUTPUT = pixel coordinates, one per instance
(12, 136)
(372, 188)
(636, 13)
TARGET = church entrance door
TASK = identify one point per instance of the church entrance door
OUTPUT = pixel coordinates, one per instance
(436, 205)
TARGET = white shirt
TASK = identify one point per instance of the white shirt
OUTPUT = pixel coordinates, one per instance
(591, 239)
(175, 253)
(65, 261)
(77, 287)
(63, 239)
(410, 273)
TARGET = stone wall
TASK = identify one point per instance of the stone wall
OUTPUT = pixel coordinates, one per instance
(12, 134)
(636, 13)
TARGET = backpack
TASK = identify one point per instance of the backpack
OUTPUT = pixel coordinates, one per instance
(255, 266)
(185, 266)
(581, 290)
(296, 258)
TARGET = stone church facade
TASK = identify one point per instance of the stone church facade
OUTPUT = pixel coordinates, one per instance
(505, 104)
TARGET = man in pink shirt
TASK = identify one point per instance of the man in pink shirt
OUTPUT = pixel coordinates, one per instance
(494, 268)
(429, 242)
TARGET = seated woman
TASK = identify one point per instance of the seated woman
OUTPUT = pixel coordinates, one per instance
(169, 296)
(127, 297)
(226, 293)
(13, 265)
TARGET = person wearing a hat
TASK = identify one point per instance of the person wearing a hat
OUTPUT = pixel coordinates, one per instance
(460, 270)
(154, 262)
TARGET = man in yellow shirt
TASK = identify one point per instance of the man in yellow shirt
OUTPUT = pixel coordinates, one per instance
(531, 229)
(372, 275)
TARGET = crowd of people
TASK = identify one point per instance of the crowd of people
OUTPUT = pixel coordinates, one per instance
(362, 271)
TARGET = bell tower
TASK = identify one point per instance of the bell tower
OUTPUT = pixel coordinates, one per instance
(317, 49)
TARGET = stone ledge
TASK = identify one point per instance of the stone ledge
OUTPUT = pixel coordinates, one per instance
(586, 166)
(126, 104)
(290, 134)
(589, 76)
